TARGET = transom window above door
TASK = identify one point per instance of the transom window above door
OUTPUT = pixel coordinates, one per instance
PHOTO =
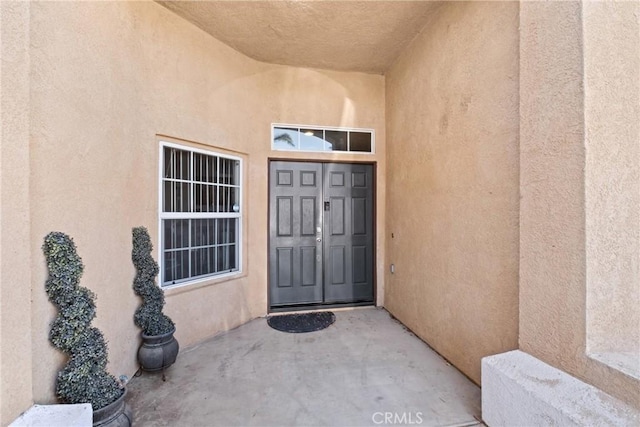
(320, 139)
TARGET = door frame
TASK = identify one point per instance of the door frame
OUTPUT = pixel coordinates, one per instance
(374, 218)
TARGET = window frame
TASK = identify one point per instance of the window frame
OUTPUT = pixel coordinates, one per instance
(326, 128)
(198, 215)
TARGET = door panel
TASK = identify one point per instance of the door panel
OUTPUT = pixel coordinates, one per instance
(294, 205)
(348, 248)
(321, 233)
(284, 271)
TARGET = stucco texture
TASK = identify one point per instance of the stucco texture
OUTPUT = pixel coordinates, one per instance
(553, 234)
(15, 255)
(612, 178)
(352, 35)
(452, 188)
(506, 197)
(109, 80)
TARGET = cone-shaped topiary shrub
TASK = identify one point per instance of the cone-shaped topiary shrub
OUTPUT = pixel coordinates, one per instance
(149, 315)
(84, 379)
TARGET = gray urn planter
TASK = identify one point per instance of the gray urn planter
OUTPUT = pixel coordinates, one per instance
(158, 352)
(116, 414)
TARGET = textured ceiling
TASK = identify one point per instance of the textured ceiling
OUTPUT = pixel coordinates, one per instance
(341, 35)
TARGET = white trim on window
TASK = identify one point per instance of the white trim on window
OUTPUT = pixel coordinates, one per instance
(323, 129)
(204, 214)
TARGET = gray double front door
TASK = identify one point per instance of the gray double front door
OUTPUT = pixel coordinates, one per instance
(320, 233)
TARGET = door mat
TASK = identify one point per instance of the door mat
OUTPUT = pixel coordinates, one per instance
(305, 322)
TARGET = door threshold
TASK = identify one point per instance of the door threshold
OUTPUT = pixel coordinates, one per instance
(318, 307)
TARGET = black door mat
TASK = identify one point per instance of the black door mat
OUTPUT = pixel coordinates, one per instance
(305, 322)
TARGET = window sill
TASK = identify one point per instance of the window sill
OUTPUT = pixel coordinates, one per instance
(626, 362)
(201, 283)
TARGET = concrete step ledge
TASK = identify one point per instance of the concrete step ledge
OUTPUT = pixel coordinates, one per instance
(520, 390)
(68, 415)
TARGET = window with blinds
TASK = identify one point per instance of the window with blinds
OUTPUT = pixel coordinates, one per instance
(200, 214)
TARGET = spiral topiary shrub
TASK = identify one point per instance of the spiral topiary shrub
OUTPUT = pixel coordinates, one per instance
(148, 316)
(84, 379)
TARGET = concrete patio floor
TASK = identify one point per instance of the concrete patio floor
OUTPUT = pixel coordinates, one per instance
(364, 370)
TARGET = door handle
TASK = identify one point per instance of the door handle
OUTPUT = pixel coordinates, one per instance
(319, 239)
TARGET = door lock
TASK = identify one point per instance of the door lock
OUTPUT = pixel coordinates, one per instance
(327, 206)
(319, 239)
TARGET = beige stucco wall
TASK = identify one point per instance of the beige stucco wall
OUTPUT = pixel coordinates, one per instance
(612, 180)
(553, 260)
(15, 253)
(88, 89)
(106, 79)
(452, 200)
